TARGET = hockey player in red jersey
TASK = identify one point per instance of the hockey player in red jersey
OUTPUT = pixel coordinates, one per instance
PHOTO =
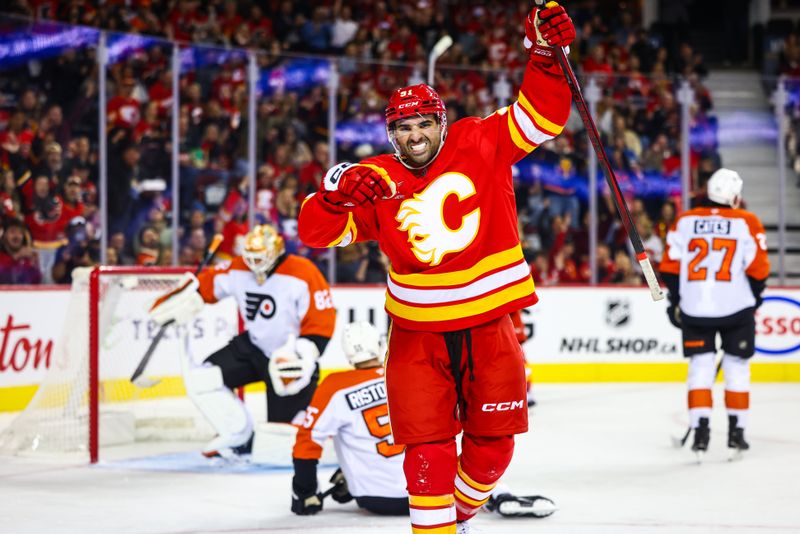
(289, 318)
(716, 266)
(442, 209)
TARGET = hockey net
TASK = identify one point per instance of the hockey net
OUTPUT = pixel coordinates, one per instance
(86, 401)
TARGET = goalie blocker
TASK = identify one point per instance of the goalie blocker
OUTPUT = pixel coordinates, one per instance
(289, 317)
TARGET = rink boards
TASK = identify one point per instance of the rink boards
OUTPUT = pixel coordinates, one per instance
(576, 334)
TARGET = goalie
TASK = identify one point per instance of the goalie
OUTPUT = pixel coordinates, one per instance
(350, 407)
(289, 318)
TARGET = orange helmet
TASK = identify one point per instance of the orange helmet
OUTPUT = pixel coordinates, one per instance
(262, 248)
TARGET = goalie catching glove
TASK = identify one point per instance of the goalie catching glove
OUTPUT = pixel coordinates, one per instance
(179, 305)
(546, 28)
(292, 365)
(347, 186)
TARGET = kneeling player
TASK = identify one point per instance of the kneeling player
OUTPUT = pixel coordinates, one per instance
(289, 317)
(351, 408)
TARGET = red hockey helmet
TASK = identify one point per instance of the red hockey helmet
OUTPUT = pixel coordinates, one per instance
(412, 101)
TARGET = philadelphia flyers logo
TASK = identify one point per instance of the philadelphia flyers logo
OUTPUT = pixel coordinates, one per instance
(422, 216)
(258, 304)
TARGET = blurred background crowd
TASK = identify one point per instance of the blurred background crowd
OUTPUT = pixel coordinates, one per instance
(49, 128)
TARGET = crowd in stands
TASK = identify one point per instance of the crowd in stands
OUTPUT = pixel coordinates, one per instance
(49, 133)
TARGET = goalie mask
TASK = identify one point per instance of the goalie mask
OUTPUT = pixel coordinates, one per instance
(415, 101)
(262, 248)
(725, 187)
(361, 342)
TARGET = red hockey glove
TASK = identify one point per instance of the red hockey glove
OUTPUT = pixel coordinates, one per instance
(347, 186)
(545, 28)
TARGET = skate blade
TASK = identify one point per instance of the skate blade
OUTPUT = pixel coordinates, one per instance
(539, 508)
(699, 456)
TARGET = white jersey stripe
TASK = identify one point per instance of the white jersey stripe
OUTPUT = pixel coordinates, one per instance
(431, 517)
(471, 492)
(534, 134)
(469, 291)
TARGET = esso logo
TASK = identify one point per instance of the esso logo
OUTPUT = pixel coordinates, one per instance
(778, 326)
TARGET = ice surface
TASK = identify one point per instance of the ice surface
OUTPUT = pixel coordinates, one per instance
(601, 452)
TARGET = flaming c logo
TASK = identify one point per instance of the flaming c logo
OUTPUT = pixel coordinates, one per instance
(422, 216)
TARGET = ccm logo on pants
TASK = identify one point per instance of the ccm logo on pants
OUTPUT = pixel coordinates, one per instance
(502, 406)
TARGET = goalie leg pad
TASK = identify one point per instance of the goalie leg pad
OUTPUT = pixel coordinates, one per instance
(220, 406)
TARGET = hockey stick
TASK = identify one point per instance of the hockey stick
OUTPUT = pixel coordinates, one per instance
(619, 201)
(677, 442)
(137, 377)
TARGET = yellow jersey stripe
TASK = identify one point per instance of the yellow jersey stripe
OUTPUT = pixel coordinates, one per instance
(549, 125)
(447, 529)
(459, 311)
(431, 500)
(349, 227)
(494, 261)
(516, 135)
(476, 485)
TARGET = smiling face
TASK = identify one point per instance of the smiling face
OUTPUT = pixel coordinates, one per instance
(418, 139)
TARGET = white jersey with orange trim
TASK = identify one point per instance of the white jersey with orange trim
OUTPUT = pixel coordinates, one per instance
(294, 299)
(350, 407)
(714, 250)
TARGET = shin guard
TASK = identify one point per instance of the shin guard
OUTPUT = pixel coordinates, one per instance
(483, 461)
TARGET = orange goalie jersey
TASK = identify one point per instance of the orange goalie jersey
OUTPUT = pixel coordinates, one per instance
(714, 250)
(294, 299)
(351, 408)
(451, 232)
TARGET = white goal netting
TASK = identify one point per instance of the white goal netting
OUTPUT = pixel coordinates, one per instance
(57, 419)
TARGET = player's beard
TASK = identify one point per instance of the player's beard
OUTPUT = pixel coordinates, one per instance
(423, 156)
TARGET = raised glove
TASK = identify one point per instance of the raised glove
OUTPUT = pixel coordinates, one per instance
(545, 28)
(347, 186)
(340, 493)
(179, 305)
(674, 314)
(292, 365)
(306, 504)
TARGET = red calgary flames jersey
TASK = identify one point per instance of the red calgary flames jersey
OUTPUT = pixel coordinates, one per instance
(451, 232)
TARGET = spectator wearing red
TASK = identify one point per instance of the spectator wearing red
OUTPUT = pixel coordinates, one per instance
(123, 109)
(73, 198)
(18, 263)
(47, 223)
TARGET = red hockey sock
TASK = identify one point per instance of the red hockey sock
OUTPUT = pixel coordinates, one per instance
(430, 470)
(483, 461)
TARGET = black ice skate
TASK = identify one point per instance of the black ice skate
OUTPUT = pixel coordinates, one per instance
(702, 435)
(509, 505)
(736, 443)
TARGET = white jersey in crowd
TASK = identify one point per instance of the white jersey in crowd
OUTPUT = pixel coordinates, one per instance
(714, 250)
(350, 407)
(294, 299)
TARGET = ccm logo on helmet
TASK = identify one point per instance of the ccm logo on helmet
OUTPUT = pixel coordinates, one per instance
(408, 104)
(502, 406)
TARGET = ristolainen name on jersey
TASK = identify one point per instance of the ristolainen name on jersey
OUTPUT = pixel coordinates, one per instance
(367, 395)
